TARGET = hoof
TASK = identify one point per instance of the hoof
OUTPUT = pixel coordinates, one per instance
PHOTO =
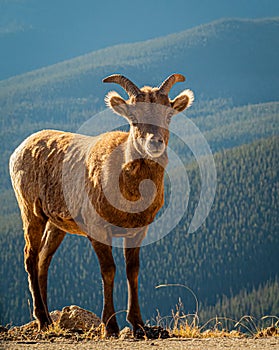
(43, 325)
(112, 332)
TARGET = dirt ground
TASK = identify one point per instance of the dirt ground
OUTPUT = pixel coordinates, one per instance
(271, 343)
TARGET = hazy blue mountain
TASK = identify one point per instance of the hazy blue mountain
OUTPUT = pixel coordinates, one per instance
(36, 33)
(238, 59)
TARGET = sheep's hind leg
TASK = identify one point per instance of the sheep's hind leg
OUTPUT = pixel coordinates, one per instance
(51, 240)
(107, 265)
(33, 231)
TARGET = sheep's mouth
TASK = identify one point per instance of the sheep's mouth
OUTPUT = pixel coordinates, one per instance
(155, 149)
(150, 149)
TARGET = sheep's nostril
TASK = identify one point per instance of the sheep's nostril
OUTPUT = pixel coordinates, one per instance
(155, 143)
(156, 146)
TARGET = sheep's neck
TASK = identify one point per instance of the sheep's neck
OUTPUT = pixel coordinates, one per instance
(137, 171)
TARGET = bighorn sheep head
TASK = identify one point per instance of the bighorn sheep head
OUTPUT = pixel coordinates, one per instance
(149, 111)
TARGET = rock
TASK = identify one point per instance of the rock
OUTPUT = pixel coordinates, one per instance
(55, 315)
(76, 319)
(126, 333)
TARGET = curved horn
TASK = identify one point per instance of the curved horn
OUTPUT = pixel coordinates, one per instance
(126, 83)
(169, 82)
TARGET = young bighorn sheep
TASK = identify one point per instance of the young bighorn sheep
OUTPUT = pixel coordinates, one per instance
(52, 172)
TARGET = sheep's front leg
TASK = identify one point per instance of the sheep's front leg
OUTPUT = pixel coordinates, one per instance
(107, 265)
(131, 253)
(132, 271)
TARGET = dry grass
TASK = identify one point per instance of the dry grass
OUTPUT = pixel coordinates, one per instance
(181, 328)
(187, 326)
(178, 325)
(30, 332)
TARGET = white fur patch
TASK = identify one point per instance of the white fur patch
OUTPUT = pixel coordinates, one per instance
(189, 93)
(109, 95)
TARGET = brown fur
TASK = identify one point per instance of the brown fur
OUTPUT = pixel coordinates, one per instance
(51, 169)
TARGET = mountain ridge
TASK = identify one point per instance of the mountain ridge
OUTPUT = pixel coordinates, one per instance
(172, 52)
(198, 30)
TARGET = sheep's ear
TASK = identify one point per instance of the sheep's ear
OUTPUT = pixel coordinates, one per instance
(117, 103)
(182, 101)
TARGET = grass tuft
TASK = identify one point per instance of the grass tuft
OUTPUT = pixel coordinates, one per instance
(187, 325)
